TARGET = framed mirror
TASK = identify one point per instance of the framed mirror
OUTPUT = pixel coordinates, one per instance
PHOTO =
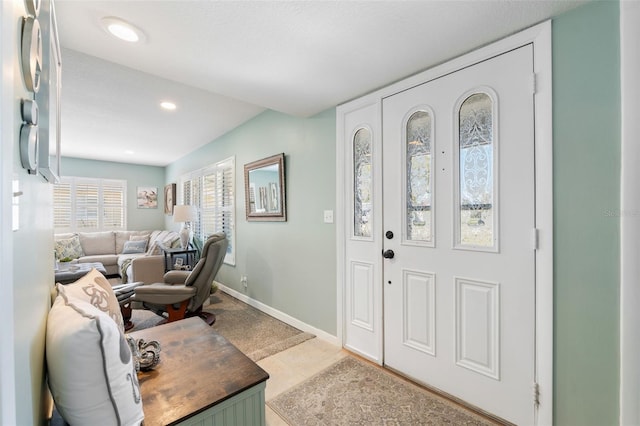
(48, 97)
(264, 189)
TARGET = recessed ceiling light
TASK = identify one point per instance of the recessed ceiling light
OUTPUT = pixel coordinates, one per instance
(128, 151)
(168, 105)
(122, 29)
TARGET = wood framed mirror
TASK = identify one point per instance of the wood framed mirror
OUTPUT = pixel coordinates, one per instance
(264, 189)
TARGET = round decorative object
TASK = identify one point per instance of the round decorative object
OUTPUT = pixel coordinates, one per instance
(31, 54)
(29, 111)
(33, 7)
(29, 141)
(146, 355)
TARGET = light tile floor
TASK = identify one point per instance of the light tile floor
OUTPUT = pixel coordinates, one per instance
(291, 367)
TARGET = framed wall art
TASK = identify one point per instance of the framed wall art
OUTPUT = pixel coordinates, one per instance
(169, 198)
(147, 197)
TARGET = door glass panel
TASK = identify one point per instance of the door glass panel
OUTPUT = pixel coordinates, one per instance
(476, 187)
(362, 182)
(418, 215)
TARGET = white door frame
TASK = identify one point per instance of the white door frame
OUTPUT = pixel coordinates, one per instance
(629, 214)
(540, 37)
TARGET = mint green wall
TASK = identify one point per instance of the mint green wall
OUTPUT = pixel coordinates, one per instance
(290, 265)
(27, 267)
(586, 137)
(135, 175)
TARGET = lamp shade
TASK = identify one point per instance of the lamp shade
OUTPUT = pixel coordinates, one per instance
(185, 213)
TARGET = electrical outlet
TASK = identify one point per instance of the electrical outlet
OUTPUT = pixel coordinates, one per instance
(328, 216)
(243, 280)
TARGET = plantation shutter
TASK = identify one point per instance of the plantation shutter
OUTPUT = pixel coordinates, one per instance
(86, 211)
(225, 208)
(113, 205)
(211, 190)
(62, 206)
(85, 204)
(208, 205)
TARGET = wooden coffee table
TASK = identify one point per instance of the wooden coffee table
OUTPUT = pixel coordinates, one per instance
(201, 379)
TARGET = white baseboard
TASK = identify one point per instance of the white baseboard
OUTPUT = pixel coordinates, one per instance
(287, 319)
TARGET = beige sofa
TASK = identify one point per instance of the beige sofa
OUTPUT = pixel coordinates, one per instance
(121, 252)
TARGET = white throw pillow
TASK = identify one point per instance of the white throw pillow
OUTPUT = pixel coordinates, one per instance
(92, 375)
(95, 289)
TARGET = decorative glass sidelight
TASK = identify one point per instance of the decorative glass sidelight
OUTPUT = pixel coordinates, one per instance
(476, 173)
(362, 183)
(419, 182)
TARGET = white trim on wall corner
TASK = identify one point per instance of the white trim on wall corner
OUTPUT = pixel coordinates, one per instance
(629, 211)
(279, 315)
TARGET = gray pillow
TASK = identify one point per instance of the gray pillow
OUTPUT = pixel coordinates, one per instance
(134, 247)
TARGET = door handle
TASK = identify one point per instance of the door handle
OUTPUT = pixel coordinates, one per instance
(388, 254)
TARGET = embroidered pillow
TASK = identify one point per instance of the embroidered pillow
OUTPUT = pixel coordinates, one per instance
(68, 247)
(134, 247)
(94, 289)
(91, 371)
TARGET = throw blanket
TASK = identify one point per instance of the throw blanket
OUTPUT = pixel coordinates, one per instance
(123, 270)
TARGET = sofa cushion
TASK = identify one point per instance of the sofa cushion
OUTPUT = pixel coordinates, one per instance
(94, 288)
(124, 236)
(69, 247)
(135, 247)
(91, 371)
(98, 242)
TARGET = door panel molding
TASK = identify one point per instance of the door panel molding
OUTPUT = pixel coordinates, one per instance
(478, 332)
(419, 286)
(362, 295)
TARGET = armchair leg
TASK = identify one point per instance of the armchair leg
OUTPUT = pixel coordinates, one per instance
(178, 313)
(125, 309)
(207, 317)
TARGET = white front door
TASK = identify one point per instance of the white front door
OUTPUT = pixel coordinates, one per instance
(459, 218)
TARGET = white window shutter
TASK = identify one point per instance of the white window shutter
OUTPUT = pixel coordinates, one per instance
(211, 190)
(85, 204)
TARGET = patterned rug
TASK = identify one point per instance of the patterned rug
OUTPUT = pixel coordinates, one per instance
(255, 333)
(354, 392)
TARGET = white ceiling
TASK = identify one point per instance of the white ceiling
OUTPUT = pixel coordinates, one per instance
(223, 62)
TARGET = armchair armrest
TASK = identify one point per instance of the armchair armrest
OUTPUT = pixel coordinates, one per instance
(147, 269)
(176, 277)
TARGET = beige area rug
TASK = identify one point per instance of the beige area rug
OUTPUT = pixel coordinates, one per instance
(255, 333)
(354, 392)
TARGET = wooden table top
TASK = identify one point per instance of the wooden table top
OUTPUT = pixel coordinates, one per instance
(198, 369)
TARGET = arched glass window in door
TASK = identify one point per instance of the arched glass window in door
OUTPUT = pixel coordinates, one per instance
(419, 182)
(362, 183)
(476, 203)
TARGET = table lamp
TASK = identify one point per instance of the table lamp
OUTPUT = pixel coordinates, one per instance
(185, 214)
